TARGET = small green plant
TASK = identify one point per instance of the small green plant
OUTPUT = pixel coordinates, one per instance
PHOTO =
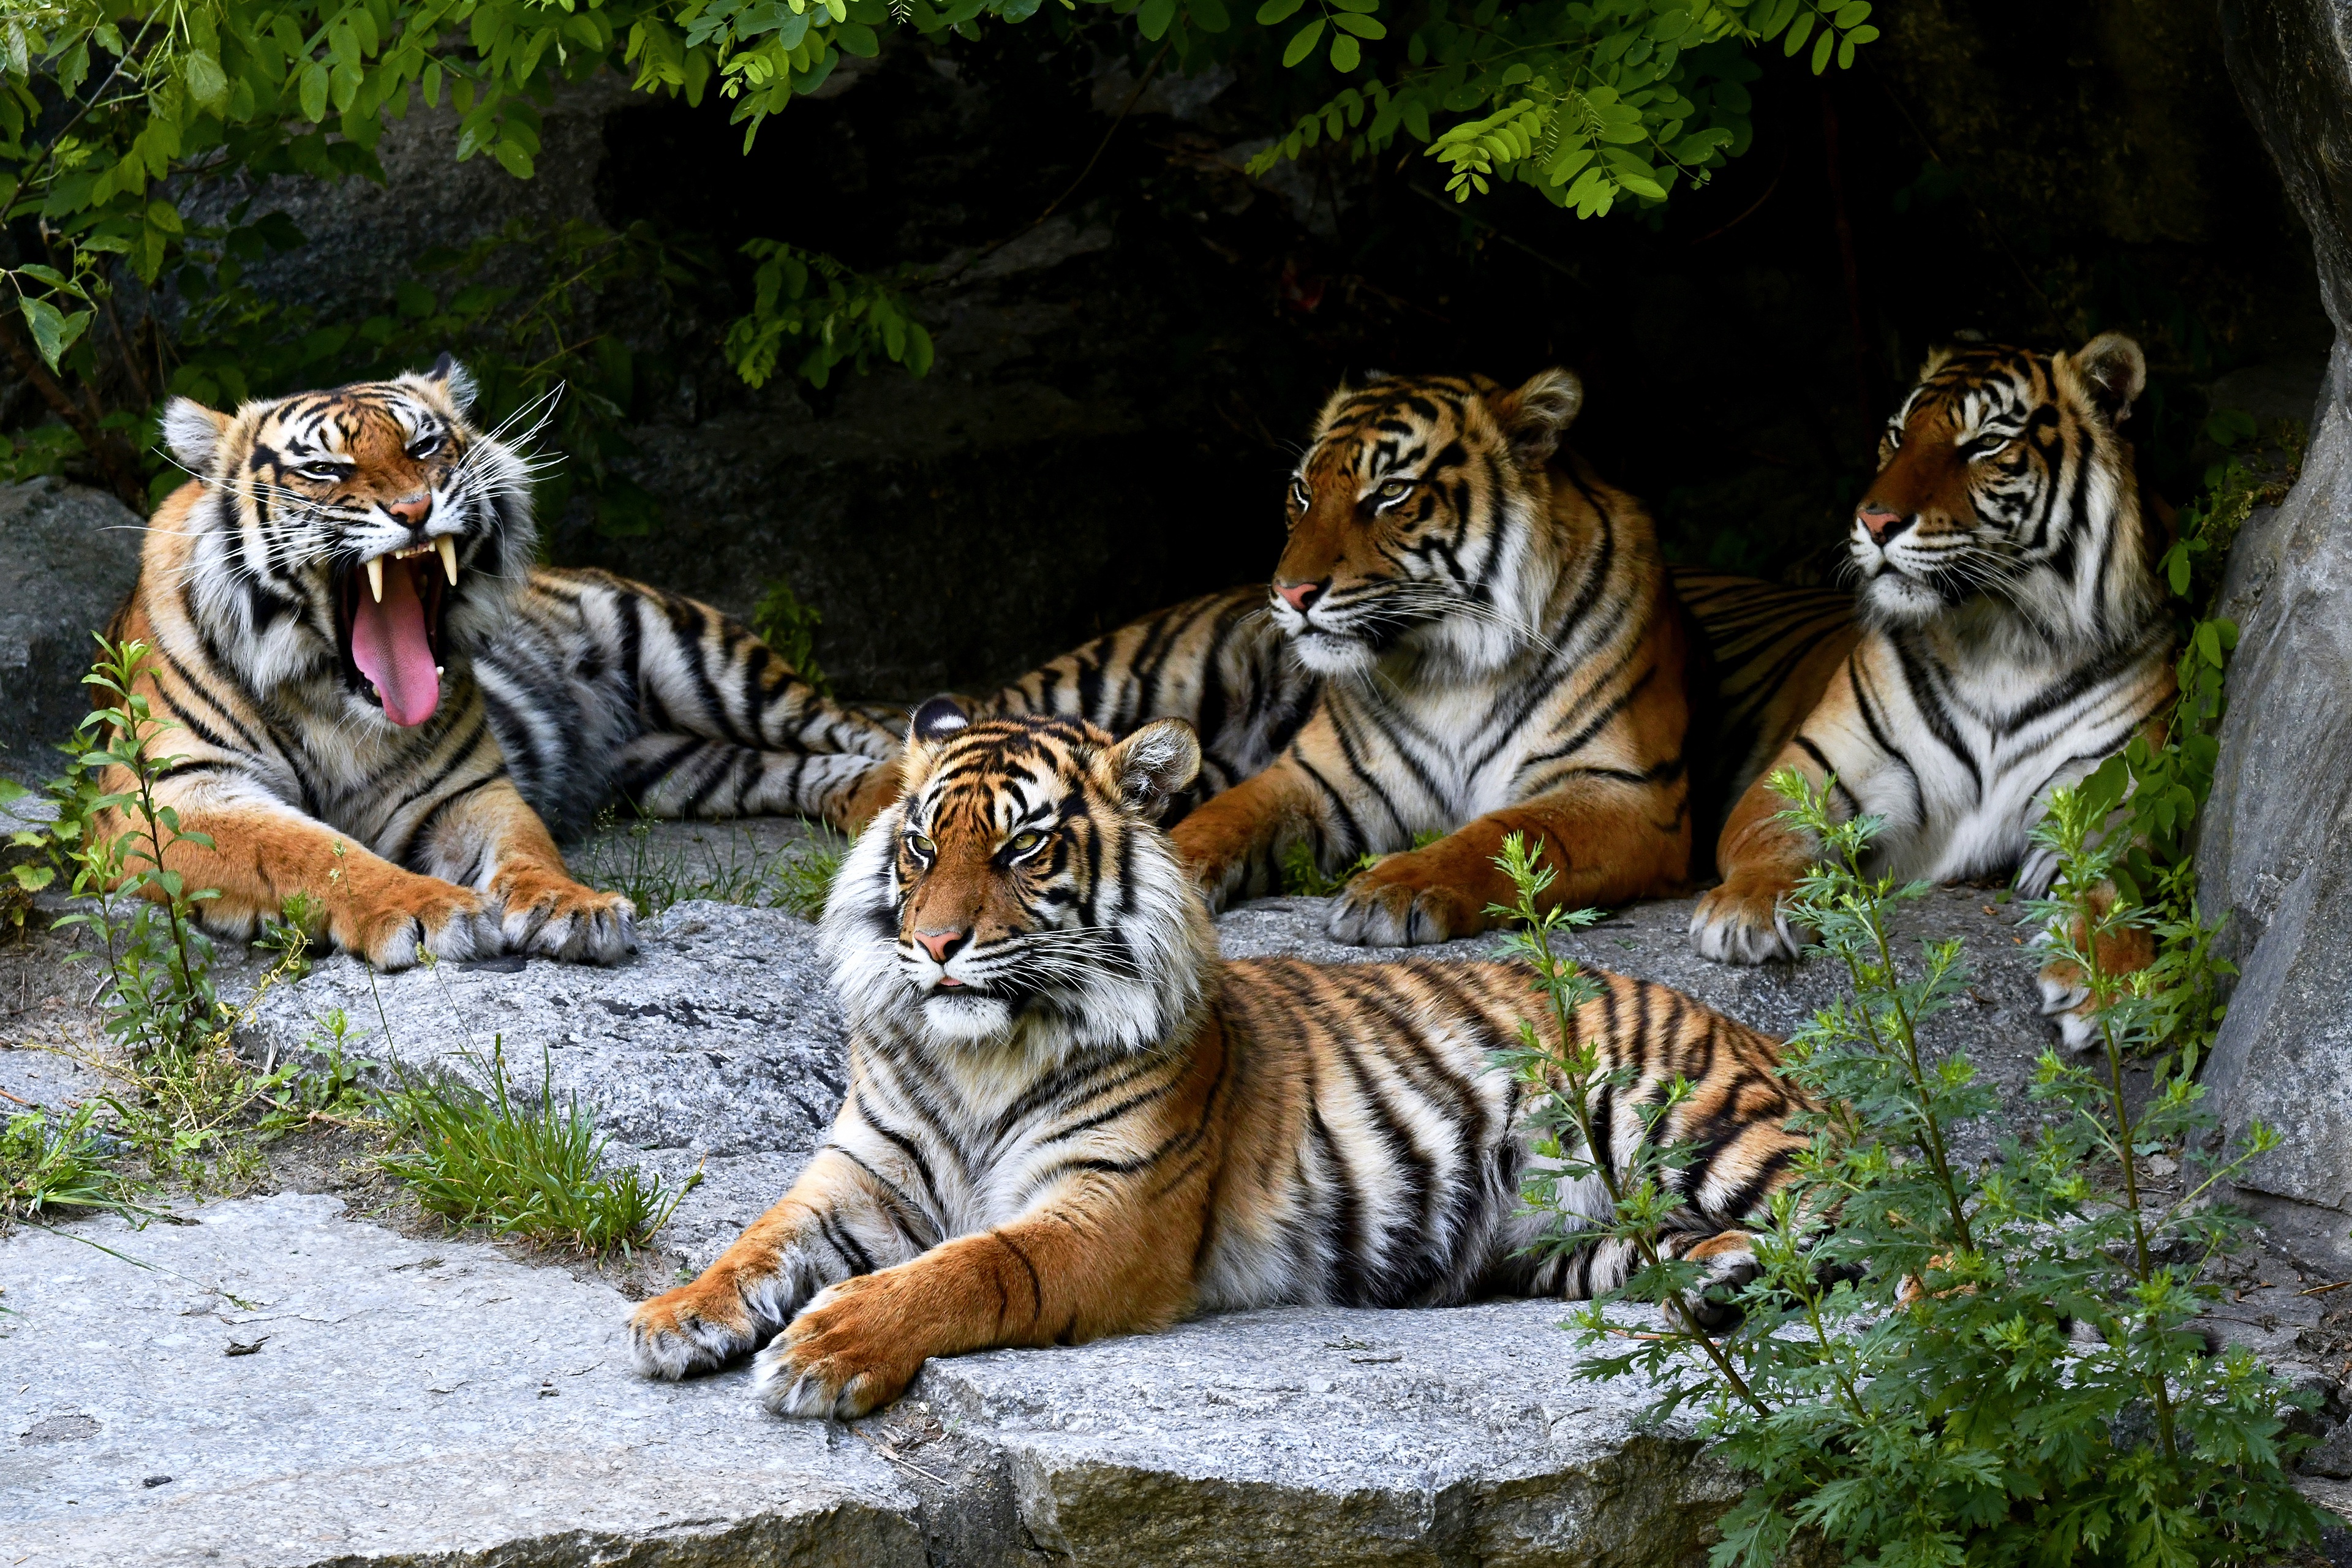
(2156, 788)
(809, 304)
(159, 992)
(520, 1164)
(1561, 1078)
(48, 1164)
(1303, 878)
(1993, 1362)
(789, 628)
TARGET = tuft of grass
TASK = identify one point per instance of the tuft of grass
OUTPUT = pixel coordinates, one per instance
(520, 1164)
(655, 875)
(48, 1165)
(804, 880)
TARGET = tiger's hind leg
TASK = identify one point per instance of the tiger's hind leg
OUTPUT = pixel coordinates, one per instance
(674, 776)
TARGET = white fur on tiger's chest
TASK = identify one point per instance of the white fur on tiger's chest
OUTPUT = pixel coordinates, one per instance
(1975, 765)
(1463, 744)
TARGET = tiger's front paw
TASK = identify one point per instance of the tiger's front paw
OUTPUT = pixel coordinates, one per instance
(848, 1353)
(405, 919)
(551, 916)
(695, 1327)
(1745, 920)
(1395, 904)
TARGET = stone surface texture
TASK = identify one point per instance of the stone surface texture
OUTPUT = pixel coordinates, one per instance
(285, 1386)
(2275, 851)
(68, 556)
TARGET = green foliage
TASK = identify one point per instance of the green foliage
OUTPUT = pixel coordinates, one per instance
(1588, 101)
(522, 1165)
(826, 313)
(1559, 1080)
(1943, 1363)
(48, 1164)
(2156, 786)
(1302, 874)
(158, 994)
(789, 628)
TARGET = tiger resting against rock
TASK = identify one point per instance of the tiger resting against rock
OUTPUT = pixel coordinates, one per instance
(1066, 1118)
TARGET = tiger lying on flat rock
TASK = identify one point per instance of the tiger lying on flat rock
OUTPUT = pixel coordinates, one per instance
(382, 703)
(1067, 1119)
(2015, 637)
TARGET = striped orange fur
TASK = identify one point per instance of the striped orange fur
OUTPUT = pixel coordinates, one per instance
(381, 702)
(2015, 637)
(1066, 1118)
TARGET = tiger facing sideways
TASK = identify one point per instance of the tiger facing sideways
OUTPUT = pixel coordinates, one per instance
(1475, 636)
(1067, 1119)
(383, 704)
(2015, 637)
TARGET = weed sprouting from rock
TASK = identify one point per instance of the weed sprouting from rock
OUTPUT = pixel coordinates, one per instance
(520, 1163)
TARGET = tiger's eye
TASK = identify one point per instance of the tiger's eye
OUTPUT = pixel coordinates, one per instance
(1026, 840)
(918, 844)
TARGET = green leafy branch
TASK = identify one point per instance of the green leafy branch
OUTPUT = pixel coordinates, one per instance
(1586, 103)
(828, 313)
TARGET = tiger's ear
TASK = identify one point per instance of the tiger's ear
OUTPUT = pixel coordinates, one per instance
(192, 432)
(1153, 763)
(1536, 415)
(2110, 373)
(454, 381)
(937, 718)
(931, 725)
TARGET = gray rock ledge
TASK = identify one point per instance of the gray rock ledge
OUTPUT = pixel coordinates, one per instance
(436, 1403)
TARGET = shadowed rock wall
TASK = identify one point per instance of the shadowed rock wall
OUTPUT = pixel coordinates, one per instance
(2275, 850)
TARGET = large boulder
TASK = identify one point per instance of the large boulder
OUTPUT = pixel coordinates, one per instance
(68, 556)
(284, 1386)
(2274, 852)
(437, 1401)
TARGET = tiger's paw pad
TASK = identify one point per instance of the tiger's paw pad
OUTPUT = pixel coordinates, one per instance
(549, 918)
(1373, 911)
(674, 1334)
(1742, 923)
(840, 1359)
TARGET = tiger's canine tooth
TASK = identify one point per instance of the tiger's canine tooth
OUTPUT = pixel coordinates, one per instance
(375, 577)
(449, 547)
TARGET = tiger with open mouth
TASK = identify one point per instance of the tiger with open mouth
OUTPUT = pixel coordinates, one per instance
(381, 702)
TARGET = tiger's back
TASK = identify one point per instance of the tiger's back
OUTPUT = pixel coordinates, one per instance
(1375, 1149)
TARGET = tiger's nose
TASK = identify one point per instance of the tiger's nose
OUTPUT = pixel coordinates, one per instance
(1298, 595)
(412, 509)
(941, 944)
(1880, 523)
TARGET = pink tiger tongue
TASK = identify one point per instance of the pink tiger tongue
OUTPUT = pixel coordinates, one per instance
(388, 643)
